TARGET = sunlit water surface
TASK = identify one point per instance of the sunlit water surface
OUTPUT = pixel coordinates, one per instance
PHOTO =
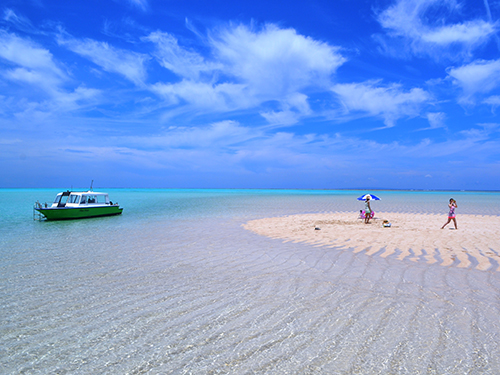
(175, 285)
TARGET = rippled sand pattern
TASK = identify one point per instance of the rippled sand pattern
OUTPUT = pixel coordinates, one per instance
(417, 237)
(199, 294)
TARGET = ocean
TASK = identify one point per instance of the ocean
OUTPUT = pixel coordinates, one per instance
(176, 285)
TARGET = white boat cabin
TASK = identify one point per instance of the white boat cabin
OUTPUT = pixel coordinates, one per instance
(79, 199)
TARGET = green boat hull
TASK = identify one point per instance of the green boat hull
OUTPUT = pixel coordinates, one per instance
(70, 213)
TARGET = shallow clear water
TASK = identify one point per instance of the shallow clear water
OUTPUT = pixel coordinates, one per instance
(175, 285)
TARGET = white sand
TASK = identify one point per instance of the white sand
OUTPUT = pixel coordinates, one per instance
(413, 236)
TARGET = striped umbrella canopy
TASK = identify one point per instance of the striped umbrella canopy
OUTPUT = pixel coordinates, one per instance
(372, 197)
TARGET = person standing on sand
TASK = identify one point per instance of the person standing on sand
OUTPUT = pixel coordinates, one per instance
(368, 209)
(451, 214)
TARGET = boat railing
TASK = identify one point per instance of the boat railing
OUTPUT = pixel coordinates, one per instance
(37, 215)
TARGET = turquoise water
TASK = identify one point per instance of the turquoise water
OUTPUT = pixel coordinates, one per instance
(176, 285)
(167, 204)
(152, 206)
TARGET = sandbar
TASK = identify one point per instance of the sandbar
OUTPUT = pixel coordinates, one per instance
(418, 237)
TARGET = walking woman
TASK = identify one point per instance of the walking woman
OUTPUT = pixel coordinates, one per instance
(368, 209)
(451, 214)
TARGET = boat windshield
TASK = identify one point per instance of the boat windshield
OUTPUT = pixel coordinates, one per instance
(61, 199)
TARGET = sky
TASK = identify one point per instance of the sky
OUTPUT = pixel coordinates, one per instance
(334, 94)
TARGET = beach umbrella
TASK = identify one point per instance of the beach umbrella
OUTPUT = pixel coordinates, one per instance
(372, 197)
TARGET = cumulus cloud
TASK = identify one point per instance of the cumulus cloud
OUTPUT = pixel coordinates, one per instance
(424, 27)
(129, 64)
(389, 102)
(275, 62)
(247, 68)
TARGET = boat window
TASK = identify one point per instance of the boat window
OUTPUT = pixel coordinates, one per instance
(84, 199)
(91, 199)
(74, 198)
(58, 198)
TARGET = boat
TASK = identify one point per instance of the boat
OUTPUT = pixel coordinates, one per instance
(70, 205)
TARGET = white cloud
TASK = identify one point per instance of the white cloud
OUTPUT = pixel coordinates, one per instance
(187, 64)
(140, 4)
(224, 134)
(27, 54)
(247, 68)
(126, 63)
(436, 119)
(275, 62)
(423, 27)
(231, 146)
(294, 106)
(223, 146)
(204, 96)
(35, 78)
(494, 101)
(31, 64)
(19, 22)
(404, 17)
(470, 33)
(281, 118)
(75, 99)
(213, 147)
(389, 102)
(36, 70)
(479, 77)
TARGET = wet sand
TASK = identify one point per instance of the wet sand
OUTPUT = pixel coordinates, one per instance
(417, 237)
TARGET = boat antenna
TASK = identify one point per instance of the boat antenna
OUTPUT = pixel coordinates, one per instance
(92, 183)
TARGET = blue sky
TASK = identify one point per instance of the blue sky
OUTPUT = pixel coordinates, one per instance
(397, 94)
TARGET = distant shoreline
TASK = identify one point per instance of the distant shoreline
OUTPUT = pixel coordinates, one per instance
(257, 189)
